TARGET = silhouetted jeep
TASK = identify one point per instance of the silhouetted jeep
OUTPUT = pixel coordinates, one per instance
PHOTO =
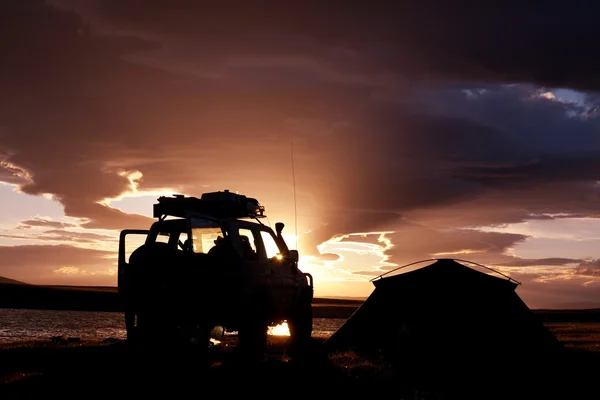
(209, 262)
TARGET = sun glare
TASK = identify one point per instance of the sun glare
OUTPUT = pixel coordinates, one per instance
(279, 330)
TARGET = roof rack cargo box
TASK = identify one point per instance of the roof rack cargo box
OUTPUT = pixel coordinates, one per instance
(220, 205)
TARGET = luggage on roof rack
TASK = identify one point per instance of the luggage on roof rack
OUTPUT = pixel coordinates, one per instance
(220, 205)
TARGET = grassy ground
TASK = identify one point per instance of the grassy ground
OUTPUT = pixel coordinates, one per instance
(579, 336)
(100, 369)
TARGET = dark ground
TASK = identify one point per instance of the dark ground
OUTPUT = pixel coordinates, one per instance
(98, 370)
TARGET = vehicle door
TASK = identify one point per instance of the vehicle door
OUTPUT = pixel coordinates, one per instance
(283, 282)
(129, 240)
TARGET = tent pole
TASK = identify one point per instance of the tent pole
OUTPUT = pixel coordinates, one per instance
(454, 259)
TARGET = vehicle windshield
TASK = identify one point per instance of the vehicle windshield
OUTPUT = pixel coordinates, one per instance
(204, 234)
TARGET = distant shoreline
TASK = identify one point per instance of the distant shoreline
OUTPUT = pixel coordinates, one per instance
(98, 298)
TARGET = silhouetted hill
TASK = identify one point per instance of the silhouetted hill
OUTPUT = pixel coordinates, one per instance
(570, 315)
(10, 281)
(57, 298)
(576, 305)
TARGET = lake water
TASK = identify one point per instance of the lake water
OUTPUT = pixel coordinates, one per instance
(25, 324)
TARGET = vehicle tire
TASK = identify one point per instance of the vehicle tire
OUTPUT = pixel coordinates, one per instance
(252, 339)
(300, 325)
(252, 332)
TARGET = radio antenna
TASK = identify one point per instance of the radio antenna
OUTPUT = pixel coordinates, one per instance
(294, 183)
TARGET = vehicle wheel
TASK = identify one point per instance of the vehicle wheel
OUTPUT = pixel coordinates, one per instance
(300, 325)
(252, 339)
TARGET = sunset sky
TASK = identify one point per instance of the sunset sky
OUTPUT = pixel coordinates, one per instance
(418, 131)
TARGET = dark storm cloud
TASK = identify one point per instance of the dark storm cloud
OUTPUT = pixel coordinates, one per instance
(414, 243)
(556, 168)
(504, 157)
(57, 92)
(177, 95)
(106, 116)
(552, 44)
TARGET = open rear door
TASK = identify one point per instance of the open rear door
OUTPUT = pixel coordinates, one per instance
(129, 240)
(127, 245)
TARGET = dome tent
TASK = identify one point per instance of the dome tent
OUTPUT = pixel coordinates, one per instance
(444, 308)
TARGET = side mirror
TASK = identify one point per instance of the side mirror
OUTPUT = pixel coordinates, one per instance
(279, 227)
(293, 255)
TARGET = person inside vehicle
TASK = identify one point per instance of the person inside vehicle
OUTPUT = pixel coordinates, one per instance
(248, 251)
(223, 249)
(218, 247)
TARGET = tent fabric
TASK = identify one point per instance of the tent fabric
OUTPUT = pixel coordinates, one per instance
(444, 307)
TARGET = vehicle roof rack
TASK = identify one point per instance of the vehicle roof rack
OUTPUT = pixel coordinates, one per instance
(221, 205)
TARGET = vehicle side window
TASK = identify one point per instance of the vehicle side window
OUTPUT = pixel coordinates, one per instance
(270, 244)
(132, 243)
(248, 243)
(184, 242)
(162, 237)
(204, 234)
